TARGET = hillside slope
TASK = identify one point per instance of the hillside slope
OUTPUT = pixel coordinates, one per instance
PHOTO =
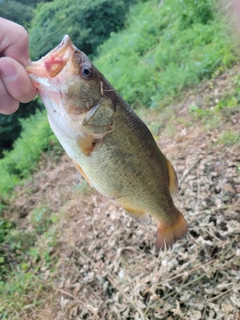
(91, 261)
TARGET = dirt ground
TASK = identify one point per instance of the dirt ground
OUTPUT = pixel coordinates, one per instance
(108, 268)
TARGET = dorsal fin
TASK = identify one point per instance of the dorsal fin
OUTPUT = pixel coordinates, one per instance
(172, 178)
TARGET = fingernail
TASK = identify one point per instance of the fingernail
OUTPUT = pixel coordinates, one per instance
(8, 70)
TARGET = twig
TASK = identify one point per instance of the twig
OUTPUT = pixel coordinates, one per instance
(213, 235)
(219, 295)
(232, 152)
(92, 310)
(186, 172)
(198, 192)
(188, 272)
(185, 285)
(136, 300)
(230, 206)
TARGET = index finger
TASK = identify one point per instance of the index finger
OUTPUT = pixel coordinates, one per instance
(13, 41)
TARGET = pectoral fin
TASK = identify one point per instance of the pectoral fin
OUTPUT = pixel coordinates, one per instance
(86, 143)
(99, 120)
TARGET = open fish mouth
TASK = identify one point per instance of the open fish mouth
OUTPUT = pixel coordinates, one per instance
(52, 63)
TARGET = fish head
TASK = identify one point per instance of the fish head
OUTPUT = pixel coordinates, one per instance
(68, 84)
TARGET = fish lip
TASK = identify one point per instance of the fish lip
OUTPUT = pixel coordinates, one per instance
(63, 51)
(64, 45)
(66, 41)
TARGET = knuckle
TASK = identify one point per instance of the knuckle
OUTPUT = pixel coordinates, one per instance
(23, 34)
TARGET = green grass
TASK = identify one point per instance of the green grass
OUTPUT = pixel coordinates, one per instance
(214, 112)
(229, 138)
(165, 49)
(27, 265)
(22, 293)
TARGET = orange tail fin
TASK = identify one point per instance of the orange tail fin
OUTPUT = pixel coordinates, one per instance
(167, 235)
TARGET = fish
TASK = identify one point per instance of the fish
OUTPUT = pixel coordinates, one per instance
(109, 144)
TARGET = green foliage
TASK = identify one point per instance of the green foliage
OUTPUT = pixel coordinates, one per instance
(5, 227)
(41, 219)
(21, 12)
(15, 296)
(25, 255)
(229, 138)
(16, 11)
(194, 11)
(227, 101)
(22, 269)
(164, 49)
(17, 164)
(10, 125)
(88, 24)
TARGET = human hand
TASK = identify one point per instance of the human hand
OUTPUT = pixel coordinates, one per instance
(15, 84)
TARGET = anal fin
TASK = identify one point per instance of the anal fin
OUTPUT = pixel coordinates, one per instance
(82, 172)
(138, 215)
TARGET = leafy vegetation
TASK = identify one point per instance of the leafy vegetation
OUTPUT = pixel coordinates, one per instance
(25, 257)
(21, 12)
(164, 50)
(18, 163)
(88, 25)
(11, 125)
(216, 109)
(229, 137)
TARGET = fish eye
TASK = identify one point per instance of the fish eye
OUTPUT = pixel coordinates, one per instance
(87, 72)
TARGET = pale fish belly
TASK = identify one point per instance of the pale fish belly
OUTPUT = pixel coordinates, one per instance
(92, 166)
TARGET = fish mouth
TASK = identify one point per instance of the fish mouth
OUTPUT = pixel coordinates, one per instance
(52, 63)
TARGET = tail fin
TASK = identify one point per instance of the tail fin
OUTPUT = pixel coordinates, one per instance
(167, 234)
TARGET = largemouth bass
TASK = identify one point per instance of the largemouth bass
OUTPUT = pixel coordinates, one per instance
(109, 144)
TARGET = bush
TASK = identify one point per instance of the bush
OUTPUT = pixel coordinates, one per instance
(17, 164)
(16, 11)
(10, 125)
(88, 24)
(164, 50)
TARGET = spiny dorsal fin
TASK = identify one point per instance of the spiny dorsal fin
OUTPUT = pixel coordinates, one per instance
(172, 178)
